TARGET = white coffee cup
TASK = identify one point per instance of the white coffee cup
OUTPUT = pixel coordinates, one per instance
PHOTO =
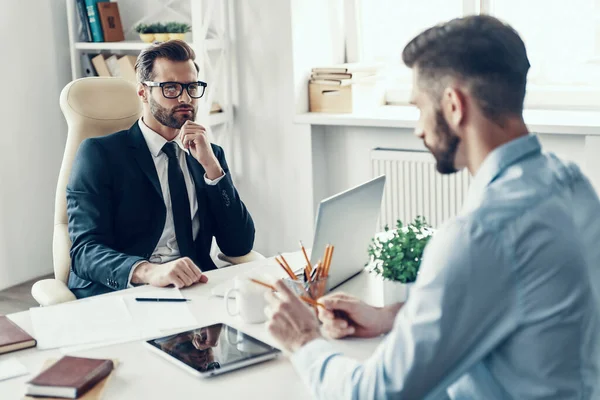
(250, 300)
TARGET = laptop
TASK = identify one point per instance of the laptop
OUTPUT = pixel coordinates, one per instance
(347, 221)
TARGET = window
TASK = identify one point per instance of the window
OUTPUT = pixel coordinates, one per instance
(562, 40)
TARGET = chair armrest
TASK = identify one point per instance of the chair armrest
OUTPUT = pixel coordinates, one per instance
(48, 292)
(252, 256)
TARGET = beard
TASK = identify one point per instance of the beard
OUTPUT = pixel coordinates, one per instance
(445, 152)
(169, 117)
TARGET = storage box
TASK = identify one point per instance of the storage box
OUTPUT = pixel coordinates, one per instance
(352, 98)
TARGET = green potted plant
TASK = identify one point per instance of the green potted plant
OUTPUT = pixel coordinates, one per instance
(160, 32)
(146, 32)
(177, 30)
(396, 257)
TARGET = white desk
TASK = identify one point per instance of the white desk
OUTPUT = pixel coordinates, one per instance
(144, 375)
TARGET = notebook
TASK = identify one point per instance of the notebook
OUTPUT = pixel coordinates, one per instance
(70, 377)
(12, 337)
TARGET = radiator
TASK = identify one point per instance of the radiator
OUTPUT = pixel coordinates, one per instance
(414, 187)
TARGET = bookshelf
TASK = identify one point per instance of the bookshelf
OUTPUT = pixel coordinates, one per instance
(210, 38)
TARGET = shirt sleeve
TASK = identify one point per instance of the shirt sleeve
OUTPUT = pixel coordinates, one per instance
(214, 181)
(462, 305)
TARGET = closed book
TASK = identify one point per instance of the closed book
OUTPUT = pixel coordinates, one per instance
(70, 377)
(112, 63)
(127, 68)
(347, 68)
(352, 75)
(112, 29)
(94, 21)
(99, 64)
(83, 33)
(12, 337)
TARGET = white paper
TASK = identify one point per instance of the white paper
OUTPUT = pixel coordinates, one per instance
(155, 318)
(102, 319)
(11, 368)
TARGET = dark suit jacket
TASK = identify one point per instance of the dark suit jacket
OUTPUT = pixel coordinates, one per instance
(117, 213)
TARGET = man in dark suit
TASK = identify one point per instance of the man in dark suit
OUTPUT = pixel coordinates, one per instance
(145, 203)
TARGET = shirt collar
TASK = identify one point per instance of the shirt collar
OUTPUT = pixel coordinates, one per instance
(154, 140)
(500, 159)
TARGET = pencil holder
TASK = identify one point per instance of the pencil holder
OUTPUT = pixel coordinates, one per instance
(314, 289)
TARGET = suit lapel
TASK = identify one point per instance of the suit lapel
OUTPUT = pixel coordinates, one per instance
(143, 157)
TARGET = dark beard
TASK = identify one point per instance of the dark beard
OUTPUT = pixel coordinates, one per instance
(168, 117)
(445, 153)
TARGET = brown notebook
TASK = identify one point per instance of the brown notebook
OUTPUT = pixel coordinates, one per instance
(12, 337)
(70, 377)
(110, 19)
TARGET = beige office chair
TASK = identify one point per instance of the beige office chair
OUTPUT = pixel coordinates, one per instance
(92, 107)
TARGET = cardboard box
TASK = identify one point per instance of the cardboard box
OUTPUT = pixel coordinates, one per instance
(352, 98)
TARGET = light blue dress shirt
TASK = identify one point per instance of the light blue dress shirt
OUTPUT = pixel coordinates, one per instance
(506, 303)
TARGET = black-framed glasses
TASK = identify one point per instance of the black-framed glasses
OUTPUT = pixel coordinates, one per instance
(172, 90)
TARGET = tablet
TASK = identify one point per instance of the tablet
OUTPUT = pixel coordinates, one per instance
(212, 350)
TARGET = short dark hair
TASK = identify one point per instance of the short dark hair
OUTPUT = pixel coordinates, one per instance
(487, 54)
(174, 50)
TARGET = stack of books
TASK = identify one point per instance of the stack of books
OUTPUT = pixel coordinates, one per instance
(99, 21)
(344, 74)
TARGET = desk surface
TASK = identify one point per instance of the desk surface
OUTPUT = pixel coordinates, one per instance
(144, 375)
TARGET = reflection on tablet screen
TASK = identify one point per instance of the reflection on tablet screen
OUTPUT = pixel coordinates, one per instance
(212, 347)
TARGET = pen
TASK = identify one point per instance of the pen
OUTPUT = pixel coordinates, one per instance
(165, 300)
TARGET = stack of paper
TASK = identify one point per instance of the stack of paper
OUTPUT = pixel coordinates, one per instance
(107, 320)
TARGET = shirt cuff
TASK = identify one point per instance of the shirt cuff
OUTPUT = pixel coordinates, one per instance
(315, 350)
(137, 264)
(214, 182)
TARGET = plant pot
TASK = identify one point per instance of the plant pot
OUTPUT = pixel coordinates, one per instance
(147, 37)
(161, 37)
(395, 292)
(178, 36)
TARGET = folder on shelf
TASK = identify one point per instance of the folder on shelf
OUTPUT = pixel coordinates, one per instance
(87, 68)
(113, 66)
(109, 17)
(95, 26)
(100, 65)
(127, 68)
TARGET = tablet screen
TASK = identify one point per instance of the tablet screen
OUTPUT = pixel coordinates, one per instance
(212, 347)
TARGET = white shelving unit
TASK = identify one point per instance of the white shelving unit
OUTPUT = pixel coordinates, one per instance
(210, 21)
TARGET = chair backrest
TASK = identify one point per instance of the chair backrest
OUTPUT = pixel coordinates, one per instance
(92, 107)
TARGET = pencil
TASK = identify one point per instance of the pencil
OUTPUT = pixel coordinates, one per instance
(306, 257)
(329, 260)
(285, 263)
(264, 284)
(303, 298)
(312, 302)
(287, 271)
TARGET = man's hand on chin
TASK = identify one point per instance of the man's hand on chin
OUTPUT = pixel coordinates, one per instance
(193, 136)
(291, 322)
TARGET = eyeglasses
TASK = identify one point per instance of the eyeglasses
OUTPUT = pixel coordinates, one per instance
(172, 90)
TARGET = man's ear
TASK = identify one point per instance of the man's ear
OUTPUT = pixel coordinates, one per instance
(454, 106)
(142, 92)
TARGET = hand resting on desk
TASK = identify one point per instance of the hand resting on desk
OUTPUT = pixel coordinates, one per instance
(356, 318)
(179, 273)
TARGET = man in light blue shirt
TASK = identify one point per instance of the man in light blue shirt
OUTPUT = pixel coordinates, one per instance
(506, 302)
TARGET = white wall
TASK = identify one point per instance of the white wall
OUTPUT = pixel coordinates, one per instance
(275, 49)
(34, 68)
(344, 153)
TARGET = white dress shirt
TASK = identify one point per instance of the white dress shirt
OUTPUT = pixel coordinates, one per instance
(506, 302)
(167, 249)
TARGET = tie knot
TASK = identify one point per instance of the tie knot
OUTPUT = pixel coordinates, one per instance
(170, 149)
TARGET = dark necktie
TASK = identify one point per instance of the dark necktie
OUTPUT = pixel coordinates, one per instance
(180, 203)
